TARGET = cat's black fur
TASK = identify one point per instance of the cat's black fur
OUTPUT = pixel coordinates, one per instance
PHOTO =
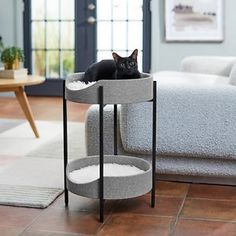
(119, 68)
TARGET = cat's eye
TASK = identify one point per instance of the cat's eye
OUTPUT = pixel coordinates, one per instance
(122, 65)
(132, 63)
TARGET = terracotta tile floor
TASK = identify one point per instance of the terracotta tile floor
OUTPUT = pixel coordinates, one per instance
(181, 209)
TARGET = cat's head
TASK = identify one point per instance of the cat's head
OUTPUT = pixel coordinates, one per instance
(126, 65)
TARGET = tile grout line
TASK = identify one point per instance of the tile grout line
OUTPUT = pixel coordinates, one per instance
(28, 226)
(208, 219)
(172, 228)
(107, 218)
(169, 196)
(212, 199)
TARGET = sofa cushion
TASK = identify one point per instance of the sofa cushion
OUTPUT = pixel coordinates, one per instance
(196, 117)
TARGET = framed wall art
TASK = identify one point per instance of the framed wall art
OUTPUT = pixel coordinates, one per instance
(194, 20)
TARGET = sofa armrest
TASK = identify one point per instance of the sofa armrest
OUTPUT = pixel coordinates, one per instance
(208, 65)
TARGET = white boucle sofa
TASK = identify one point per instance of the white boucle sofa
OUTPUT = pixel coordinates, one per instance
(196, 123)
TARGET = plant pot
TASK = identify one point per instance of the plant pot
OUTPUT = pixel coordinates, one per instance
(12, 66)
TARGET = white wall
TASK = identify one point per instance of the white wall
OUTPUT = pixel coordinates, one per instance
(11, 22)
(167, 56)
(7, 21)
(11, 25)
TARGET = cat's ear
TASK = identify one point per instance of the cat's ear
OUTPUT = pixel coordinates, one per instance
(116, 57)
(134, 54)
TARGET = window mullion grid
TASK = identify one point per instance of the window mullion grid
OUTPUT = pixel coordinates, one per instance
(127, 28)
(45, 39)
(74, 53)
(31, 49)
(60, 44)
(112, 20)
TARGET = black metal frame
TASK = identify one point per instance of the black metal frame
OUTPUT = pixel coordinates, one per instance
(101, 155)
(115, 129)
(101, 146)
(154, 127)
(65, 142)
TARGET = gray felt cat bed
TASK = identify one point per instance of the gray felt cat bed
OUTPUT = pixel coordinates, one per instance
(115, 91)
(115, 187)
(121, 186)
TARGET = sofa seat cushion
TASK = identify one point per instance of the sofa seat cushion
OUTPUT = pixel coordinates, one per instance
(196, 117)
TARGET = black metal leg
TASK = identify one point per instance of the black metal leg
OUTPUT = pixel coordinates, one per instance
(115, 129)
(65, 142)
(101, 155)
(154, 111)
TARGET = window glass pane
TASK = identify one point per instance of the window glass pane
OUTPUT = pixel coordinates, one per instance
(103, 13)
(140, 60)
(52, 9)
(101, 55)
(38, 9)
(122, 53)
(67, 35)
(53, 64)
(119, 35)
(68, 61)
(67, 9)
(38, 34)
(104, 35)
(135, 35)
(122, 29)
(120, 9)
(135, 10)
(52, 35)
(38, 62)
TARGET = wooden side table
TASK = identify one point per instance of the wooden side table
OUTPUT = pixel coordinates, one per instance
(17, 86)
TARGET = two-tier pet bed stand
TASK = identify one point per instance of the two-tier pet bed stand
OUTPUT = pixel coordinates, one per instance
(111, 187)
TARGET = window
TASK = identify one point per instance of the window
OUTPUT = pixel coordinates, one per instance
(64, 36)
(119, 28)
(53, 46)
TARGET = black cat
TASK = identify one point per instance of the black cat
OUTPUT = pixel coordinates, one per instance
(119, 68)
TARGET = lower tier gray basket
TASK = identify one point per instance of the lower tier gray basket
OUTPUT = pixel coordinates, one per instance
(118, 187)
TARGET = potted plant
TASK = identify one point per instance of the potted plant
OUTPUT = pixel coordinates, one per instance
(11, 58)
